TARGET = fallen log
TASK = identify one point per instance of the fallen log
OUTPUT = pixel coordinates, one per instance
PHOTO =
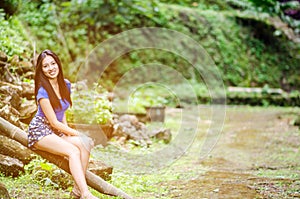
(15, 150)
(94, 181)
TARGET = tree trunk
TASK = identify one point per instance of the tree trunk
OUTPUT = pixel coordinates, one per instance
(94, 181)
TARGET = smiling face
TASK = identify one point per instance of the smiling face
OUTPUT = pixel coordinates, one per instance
(50, 67)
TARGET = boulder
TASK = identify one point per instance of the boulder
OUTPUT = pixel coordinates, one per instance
(3, 59)
(8, 88)
(27, 90)
(12, 115)
(27, 111)
(28, 75)
(12, 93)
(15, 100)
(162, 134)
(24, 67)
(128, 127)
(11, 166)
(14, 61)
(100, 169)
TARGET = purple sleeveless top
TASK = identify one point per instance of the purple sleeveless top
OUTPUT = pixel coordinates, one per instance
(42, 93)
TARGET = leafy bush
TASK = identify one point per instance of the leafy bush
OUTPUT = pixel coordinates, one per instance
(247, 52)
(89, 107)
(202, 4)
(48, 174)
(139, 101)
(13, 39)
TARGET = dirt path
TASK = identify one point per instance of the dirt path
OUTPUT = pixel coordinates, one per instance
(257, 156)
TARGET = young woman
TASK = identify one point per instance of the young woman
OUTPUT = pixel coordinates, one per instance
(48, 130)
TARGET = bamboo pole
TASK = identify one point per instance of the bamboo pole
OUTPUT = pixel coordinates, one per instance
(9, 130)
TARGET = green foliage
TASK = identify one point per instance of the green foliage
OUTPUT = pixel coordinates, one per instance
(247, 52)
(109, 16)
(89, 107)
(244, 58)
(265, 5)
(42, 24)
(201, 4)
(25, 186)
(47, 174)
(149, 96)
(12, 38)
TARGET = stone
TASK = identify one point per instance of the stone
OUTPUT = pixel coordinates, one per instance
(28, 75)
(100, 169)
(27, 90)
(163, 134)
(8, 88)
(297, 121)
(128, 127)
(15, 100)
(3, 59)
(25, 66)
(11, 166)
(14, 61)
(27, 111)
(10, 114)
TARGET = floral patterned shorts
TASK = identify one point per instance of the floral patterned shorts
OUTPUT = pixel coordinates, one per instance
(39, 127)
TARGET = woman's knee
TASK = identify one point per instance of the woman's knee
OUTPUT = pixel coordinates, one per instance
(73, 151)
(85, 144)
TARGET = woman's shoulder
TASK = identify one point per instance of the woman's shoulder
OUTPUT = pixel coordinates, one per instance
(42, 93)
(68, 83)
(42, 90)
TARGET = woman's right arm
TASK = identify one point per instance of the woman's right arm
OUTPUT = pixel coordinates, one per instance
(50, 115)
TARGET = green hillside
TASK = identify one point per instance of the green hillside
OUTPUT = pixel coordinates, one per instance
(249, 47)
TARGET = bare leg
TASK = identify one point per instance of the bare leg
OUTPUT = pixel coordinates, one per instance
(57, 145)
(84, 146)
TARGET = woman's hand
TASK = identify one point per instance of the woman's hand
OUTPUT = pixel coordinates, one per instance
(87, 142)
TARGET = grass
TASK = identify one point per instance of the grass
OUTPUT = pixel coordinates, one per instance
(26, 186)
(138, 185)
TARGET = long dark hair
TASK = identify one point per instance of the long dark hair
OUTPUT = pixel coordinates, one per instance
(40, 80)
